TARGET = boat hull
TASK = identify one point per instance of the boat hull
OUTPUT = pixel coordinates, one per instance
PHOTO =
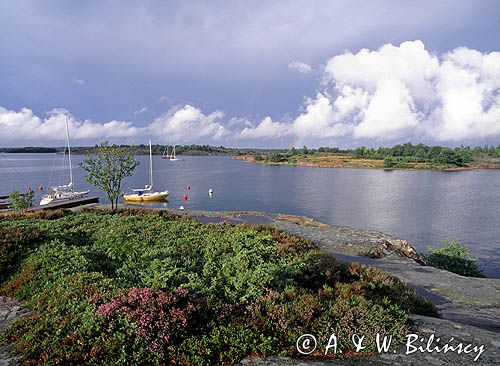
(161, 196)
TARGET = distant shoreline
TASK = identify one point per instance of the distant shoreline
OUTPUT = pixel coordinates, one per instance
(361, 163)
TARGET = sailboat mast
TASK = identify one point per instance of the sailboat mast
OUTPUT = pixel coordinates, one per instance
(150, 165)
(69, 154)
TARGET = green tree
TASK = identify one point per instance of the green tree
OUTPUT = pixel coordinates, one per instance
(20, 201)
(107, 168)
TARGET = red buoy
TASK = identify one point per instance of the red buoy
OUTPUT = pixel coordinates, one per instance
(185, 198)
(188, 187)
(40, 187)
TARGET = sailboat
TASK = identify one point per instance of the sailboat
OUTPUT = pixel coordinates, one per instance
(146, 193)
(171, 157)
(165, 154)
(64, 192)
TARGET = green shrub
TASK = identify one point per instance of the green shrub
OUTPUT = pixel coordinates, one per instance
(454, 257)
(20, 201)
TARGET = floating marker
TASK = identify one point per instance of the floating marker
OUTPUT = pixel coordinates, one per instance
(188, 187)
(185, 198)
(40, 187)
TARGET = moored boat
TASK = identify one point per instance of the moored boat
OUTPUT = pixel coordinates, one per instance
(147, 193)
(64, 192)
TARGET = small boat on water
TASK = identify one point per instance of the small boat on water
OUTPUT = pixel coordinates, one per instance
(146, 193)
(64, 192)
(172, 156)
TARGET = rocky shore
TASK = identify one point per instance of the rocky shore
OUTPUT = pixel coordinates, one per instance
(469, 307)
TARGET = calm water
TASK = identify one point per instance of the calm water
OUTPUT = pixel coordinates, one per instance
(423, 207)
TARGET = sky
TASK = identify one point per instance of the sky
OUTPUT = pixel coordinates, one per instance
(250, 73)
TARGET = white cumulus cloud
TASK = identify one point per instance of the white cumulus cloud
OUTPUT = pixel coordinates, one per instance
(183, 124)
(25, 127)
(299, 66)
(188, 124)
(399, 92)
(265, 129)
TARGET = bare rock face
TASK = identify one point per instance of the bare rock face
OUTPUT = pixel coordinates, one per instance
(402, 248)
(347, 240)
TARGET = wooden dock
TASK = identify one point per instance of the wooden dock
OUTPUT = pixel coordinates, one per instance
(67, 204)
(64, 204)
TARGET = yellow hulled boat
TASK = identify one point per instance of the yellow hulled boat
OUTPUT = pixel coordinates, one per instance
(147, 193)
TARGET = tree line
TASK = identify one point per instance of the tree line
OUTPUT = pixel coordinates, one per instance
(392, 156)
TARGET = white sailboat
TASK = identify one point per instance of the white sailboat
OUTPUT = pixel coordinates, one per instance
(146, 193)
(172, 156)
(165, 154)
(64, 192)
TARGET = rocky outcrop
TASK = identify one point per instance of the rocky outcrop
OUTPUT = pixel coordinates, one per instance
(10, 310)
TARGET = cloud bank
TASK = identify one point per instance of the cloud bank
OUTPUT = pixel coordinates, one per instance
(392, 94)
(182, 124)
(398, 93)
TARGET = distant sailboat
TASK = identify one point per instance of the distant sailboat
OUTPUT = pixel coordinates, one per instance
(64, 192)
(172, 156)
(146, 193)
(165, 154)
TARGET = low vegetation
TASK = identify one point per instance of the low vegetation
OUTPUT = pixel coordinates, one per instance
(21, 201)
(151, 288)
(455, 257)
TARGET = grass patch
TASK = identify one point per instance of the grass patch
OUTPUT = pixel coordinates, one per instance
(152, 288)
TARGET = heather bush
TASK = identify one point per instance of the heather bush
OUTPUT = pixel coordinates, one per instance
(144, 287)
(154, 322)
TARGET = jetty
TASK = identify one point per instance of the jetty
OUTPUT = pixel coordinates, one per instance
(63, 204)
(66, 204)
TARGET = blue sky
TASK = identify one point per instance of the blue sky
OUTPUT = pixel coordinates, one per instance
(250, 73)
